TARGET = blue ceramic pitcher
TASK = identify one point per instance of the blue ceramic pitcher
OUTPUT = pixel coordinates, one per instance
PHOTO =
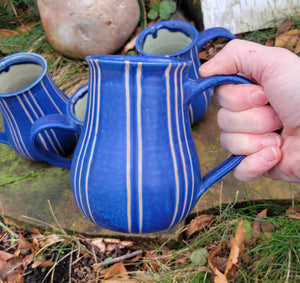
(135, 168)
(28, 93)
(179, 39)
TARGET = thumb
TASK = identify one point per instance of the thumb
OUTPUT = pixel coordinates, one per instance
(251, 59)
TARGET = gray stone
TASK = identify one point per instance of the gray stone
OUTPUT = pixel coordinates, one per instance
(78, 28)
(33, 192)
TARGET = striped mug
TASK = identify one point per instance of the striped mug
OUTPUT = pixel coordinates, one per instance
(135, 168)
(28, 93)
(179, 39)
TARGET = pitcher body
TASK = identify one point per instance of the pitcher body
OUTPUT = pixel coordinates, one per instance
(136, 168)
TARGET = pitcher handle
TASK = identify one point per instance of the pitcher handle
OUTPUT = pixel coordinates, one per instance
(194, 88)
(207, 35)
(52, 121)
(218, 172)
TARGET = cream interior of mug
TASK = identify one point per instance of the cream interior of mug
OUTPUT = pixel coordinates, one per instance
(166, 42)
(19, 77)
(80, 108)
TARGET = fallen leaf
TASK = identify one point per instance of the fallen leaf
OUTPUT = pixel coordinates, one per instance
(297, 47)
(126, 244)
(115, 269)
(111, 247)
(49, 240)
(270, 41)
(27, 260)
(288, 39)
(237, 248)
(5, 256)
(98, 242)
(285, 26)
(204, 269)
(7, 32)
(219, 277)
(294, 212)
(42, 262)
(153, 258)
(198, 223)
(24, 246)
(11, 269)
(220, 262)
(256, 226)
(142, 277)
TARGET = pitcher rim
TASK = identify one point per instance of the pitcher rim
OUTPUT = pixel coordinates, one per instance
(150, 30)
(20, 58)
(135, 59)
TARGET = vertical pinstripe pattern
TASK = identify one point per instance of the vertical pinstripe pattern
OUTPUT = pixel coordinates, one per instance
(192, 188)
(94, 127)
(78, 187)
(117, 180)
(16, 135)
(128, 147)
(129, 117)
(55, 88)
(170, 130)
(140, 157)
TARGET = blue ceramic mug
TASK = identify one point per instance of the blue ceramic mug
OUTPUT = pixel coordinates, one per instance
(181, 40)
(135, 168)
(28, 93)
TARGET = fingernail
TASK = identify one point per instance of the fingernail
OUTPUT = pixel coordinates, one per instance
(258, 98)
(270, 155)
(272, 140)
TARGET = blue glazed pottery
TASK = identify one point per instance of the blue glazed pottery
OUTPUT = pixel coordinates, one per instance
(28, 93)
(179, 39)
(135, 168)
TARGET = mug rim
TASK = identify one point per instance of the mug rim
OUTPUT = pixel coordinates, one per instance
(182, 26)
(23, 58)
(82, 91)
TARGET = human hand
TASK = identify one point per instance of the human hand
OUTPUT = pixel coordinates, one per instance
(250, 114)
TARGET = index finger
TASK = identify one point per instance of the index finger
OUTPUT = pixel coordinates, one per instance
(240, 97)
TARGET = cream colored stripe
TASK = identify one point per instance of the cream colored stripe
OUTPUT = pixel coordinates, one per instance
(63, 97)
(95, 126)
(186, 141)
(32, 121)
(206, 99)
(178, 134)
(167, 74)
(192, 114)
(50, 97)
(140, 173)
(128, 182)
(51, 130)
(83, 149)
(15, 132)
(194, 64)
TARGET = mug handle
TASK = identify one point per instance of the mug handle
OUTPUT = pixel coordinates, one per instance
(207, 35)
(194, 89)
(52, 121)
